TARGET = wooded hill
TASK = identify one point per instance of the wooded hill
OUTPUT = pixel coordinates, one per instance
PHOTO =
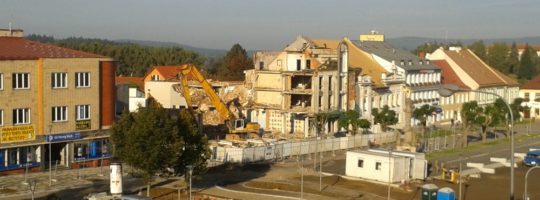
(133, 59)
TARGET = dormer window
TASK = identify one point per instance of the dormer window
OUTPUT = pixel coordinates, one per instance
(427, 62)
(402, 62)
(421, 62)
(410, 62)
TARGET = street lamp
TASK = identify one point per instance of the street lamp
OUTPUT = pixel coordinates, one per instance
(449, 90)
(525, 195)
(190, 171)
(389, 171)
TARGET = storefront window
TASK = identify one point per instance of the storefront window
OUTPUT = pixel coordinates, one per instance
(12, 156)
(2, 158)
(80, 151)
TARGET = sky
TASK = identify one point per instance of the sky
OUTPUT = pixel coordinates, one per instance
(270, 24)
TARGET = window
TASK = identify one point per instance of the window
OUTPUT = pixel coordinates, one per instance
(261, 65)
(526, 96)
(59, 80)
(279, 63)
(360, 163)
(536, 96)
(82, 79)
(1, 117)
(59, 114)
(154, 77)
(308, 64)
(378, 166)
(83, 112)
(21, 81)
(12, 156)
(21, 116)
(1, 81)
(298, 64)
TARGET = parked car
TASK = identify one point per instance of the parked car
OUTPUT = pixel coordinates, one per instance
(532, 158)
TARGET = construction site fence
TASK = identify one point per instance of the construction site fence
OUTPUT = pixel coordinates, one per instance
(284, 149)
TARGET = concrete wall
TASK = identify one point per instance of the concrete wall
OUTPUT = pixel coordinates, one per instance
(270, 80)
(164, 93)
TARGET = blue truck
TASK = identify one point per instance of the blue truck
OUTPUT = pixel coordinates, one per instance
(532, 158)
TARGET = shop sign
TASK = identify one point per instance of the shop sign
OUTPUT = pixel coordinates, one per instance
(63, 137)
(82, 125)
(17, 134)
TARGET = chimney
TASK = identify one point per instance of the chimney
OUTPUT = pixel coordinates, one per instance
(421, 55)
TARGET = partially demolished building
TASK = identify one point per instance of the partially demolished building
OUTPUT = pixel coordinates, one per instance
(291, 85)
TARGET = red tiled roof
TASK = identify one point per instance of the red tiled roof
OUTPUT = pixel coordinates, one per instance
(448, 75)
(17, 48)
(533, 84)
(169, 72)
(137, 81)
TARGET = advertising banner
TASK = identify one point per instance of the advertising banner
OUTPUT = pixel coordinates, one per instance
(83, 125)
(17, 134)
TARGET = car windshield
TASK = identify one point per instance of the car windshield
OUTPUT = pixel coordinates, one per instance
(533, 155)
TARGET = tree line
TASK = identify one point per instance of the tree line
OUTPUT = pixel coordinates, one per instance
(501, 56)
(135, 60)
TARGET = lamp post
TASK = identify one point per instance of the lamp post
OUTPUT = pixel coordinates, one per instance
(449, 90)
(525, 195)
(389, 171)
(50, 156)
(190, 171)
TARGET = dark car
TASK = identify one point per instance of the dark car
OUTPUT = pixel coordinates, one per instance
(532, 158)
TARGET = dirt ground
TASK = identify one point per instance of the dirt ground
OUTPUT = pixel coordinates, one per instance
(286, 178)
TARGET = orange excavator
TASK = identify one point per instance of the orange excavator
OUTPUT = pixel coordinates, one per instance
(238, 128)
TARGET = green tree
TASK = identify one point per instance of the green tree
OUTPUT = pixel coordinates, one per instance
(365, 125)
(385, 117)
(497, 57)
(421, 114)
(512, 60)
(351, 121)
(427, 47)
(527, 64)
(152, 140)
(469, 115)
(133, 59)
(490, 115)
(234, 64)
(479, 49)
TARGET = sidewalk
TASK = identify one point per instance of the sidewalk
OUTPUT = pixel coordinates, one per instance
(12, 186)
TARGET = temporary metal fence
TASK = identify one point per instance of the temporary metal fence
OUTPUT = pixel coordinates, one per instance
(282, 149)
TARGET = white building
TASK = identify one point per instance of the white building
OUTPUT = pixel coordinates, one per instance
(129, 94)
(381, 166)
(467, 71)
(388, 76)
(530, 92)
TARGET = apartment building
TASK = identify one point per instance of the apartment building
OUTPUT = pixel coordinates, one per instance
(129, 94)
(387, 76)
(290, 86)
(471, 73)
(56, 104)
(159, 82)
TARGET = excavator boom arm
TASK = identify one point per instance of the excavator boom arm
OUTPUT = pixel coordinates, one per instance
(189, 70)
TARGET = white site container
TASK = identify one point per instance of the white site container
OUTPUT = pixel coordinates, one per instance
(116, 178)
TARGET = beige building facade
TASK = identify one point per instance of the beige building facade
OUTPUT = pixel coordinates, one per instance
(54, 95)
